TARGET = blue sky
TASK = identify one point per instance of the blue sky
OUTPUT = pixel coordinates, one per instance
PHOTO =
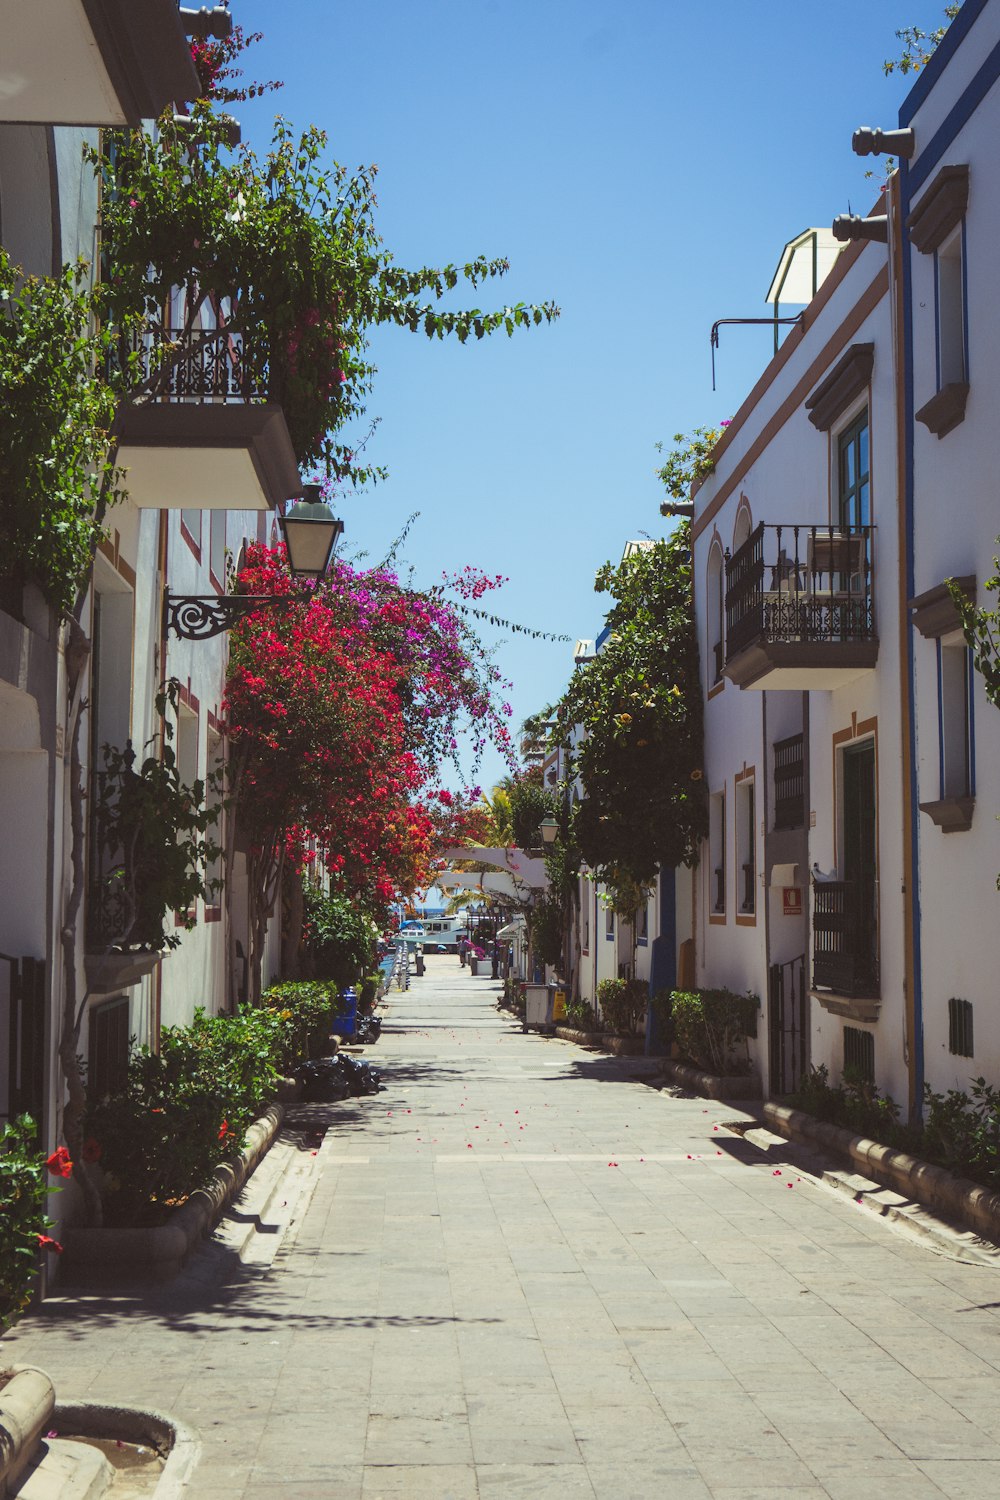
(642, 163)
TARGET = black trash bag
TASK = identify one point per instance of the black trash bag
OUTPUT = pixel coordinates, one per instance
(367, 1030)
(323, 1081)
(362, 1078)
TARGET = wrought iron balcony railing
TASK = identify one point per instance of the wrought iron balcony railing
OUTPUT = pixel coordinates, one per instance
(845, 947)
(200, 365)
(808, 584)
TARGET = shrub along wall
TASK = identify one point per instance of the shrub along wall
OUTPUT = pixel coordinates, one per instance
(182, 1110)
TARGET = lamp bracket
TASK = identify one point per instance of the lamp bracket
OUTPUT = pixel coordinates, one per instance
(198, 617)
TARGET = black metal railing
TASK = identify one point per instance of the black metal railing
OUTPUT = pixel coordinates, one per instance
(845, 956)
(800, 583)
(194, 365)
(748, 888)
(789, 782)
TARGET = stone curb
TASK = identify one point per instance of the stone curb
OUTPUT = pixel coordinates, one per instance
(138, 1424)
(602, 1041)
(26, 1406)
(159, 1253)
(713, 1085)
(970, 1202)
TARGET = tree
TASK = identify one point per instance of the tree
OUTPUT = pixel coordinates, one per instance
(285, 255)
(638, 703)
(918, 45)
(687, 463)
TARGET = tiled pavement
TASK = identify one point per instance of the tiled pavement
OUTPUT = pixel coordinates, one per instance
(522, 1273)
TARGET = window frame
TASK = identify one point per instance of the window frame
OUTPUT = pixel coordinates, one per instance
(745, 846)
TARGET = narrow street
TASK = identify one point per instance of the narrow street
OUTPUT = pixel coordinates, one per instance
(519, 1271)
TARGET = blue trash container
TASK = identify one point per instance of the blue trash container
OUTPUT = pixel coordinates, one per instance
(344, 1022)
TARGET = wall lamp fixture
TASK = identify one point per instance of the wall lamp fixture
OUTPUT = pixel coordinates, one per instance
(310, 531)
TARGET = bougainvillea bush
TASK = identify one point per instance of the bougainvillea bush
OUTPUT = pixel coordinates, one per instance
(342, 708)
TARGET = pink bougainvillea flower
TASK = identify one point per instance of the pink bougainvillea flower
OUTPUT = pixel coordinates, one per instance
(59, 1163)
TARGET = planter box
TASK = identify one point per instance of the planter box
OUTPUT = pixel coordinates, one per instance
(603, 1041)
(712, 1085)
(481, 967)
(970, 1202)
(114, 1255)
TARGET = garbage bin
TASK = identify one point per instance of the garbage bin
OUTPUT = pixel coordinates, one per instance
(343, 1023)
(537, 1005)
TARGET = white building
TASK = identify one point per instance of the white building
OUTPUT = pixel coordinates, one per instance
(849, 875)
(203, 470)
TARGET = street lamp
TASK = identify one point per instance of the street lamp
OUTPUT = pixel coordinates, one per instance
(550, 830)
(310, 531)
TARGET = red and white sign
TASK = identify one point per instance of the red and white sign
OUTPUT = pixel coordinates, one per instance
(791, 900)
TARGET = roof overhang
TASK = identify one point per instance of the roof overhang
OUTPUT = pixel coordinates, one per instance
(93, 62)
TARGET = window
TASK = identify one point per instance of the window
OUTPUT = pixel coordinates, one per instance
(949, 297)
(217, 547)
(584, 915)
(937, 227)
(716, 630)
(789, 782)
(717, 853)
(191, 530)
(609, 922)
(854, 483)
(955, 714)
(107, 1055)
(746, 847)
(960, 1027)
(215, 760)
(642, 923)
(859, 1054)
(186, 751)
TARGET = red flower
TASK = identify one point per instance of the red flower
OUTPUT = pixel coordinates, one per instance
(224, 1130)
(59, 1163)
(91, 1150)
(46, 1242)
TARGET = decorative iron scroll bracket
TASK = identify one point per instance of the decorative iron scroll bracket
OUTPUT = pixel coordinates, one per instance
(198, 617)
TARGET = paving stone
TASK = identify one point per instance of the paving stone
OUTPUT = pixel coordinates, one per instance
(523, 1318)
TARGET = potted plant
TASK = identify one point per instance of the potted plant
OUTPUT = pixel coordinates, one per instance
(151, 848)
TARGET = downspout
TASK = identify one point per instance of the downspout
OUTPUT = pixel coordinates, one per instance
(161, 664)
(765, 897)
(899, 269)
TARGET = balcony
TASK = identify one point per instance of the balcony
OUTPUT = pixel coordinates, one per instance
(201, 433)
(94, 62)
(800, 608)
(845, 956)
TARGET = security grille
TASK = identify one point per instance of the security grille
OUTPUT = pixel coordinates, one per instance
(859, 1053)
(107, 1061)
(960, 1027)
(789, 783)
